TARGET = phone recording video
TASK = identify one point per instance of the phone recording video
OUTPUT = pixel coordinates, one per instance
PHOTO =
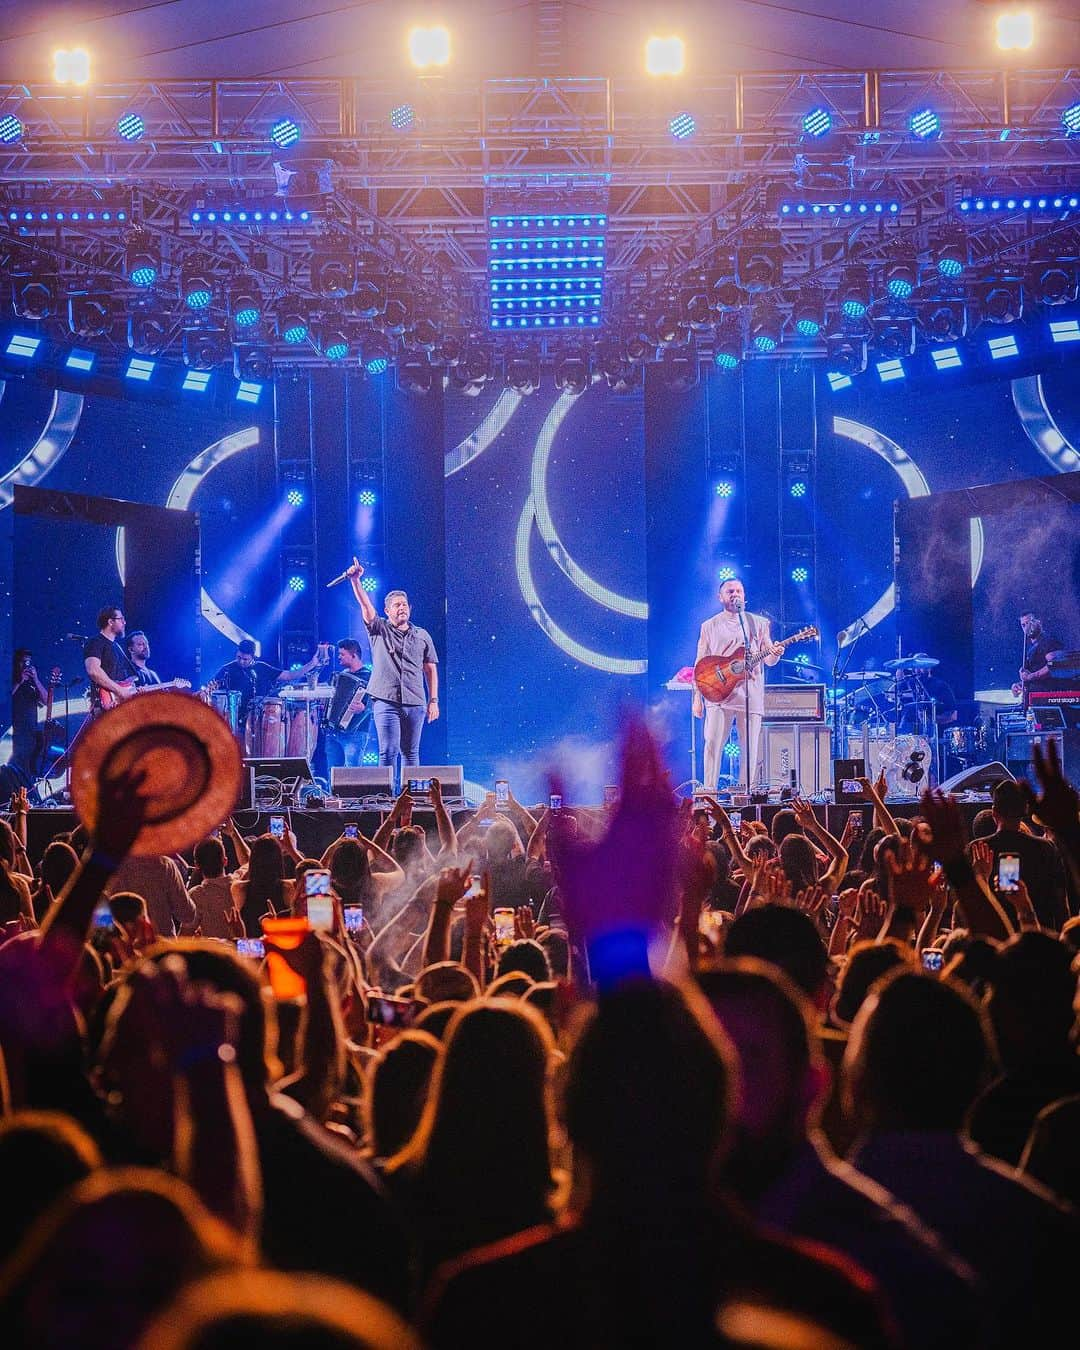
(277, 826)
(504, 927)
(502, 792)
(354, 918)
(851, 786)
(555, 802)
(103, 916)
(932, 960)
(351, 831)
(254, 947)
(1008, 872)
(736, 819)
(320, 912)
(611, 794)
(418, 786)
(317, 882)
(390, 1012)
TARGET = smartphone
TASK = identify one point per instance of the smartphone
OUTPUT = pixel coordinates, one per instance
(417, 786)
(277, 826)
(251, 947)
(611, 794)
(555, 802)
(354, 918)
(736, 819)
(390, 1012)
(476, 883)
(317, 882)
(504, 927)
(1008, 873)
(351, 831)
(320, 912)
(286, 933)
(103, 916)
(502, 792)
(855, 819)
(932, 960)
(851, 786)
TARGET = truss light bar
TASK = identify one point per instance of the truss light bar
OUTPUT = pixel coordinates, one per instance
(838, 380)
(50, 215)
(131, 127)
(11, 129)
(546, 270)
(1000, 347)
(924, 124)
(79, 360)
(682, 126)
(1070, 119)
(285, 132)
(196, 381)
(946, 358)
(249, 214)
(807, 208)
(890, 370)
(248, 391)
(1065, 330)
(138, 368)
(22, 344)
(1040, 202)
(817, 123)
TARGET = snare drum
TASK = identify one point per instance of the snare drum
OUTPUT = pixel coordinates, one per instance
(267, 728)
(227, 702)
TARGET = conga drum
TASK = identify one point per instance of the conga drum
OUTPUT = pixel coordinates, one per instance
(303, 715)
(268, 728)
(227, 702)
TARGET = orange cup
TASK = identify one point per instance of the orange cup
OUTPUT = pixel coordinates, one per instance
(286, 933)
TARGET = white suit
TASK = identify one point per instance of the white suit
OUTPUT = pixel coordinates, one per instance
(722, 635)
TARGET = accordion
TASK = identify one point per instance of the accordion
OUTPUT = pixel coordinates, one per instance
(346, 688)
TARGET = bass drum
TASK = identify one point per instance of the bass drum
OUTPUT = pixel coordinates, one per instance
(908, 765)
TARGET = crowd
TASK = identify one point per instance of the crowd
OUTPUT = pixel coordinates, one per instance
(627, 1077)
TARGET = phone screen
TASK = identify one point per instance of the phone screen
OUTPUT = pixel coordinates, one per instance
(277, 826)
(251, 947)
(354, 918)
(476, 883)
(555, 802)
(736, 819)
(611, 794)
(855, 817)
(320, 912)
(851, 786)
(1008, 874)
(350, 831)
(390, 1012)
(502, 792)
(504, 927)
(317, 882)
(418, 785)
(103, 916)
(932, 960)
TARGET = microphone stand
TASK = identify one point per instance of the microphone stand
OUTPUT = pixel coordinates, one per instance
(746, 699)
(838, 672)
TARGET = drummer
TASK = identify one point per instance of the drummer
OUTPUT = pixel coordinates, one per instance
(917, 685)
(254, 679)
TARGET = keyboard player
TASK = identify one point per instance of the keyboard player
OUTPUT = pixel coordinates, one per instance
(347, 722)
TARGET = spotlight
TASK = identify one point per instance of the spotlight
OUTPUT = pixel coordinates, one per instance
(478, 364)
(415, 373)
(523, 372)
(697, 303)
(817, 123)
(893, 335)
(665, 56)
(297, 583)
(682, 126)
(333, 275)
(245, 306)
(942, 320)
(295, 497)
(375, 353)
(901, 278)
(90, 316)
(71, 66)
(1053, 281)
(727, 359)
(11, 129)
(808, 315)
(424, 335)
(449, 350)
(854, 295)
(131, 127)
(725, 488)
(640, 346)
(395, 315)
(1014, 30)
(368, 298)
(33, 297)
(205, 348)
(925, 124)
(619, 372)
(333, 343)
(572, 372)
(759, 266)
(197, 288)
(1001, 299)
(285, 132)
(148, 333)
(292, 324)
(429, 46)
(725, 292)
(845, 354)
(952, 259)
(142, 262)
(766, 330)
(1070, 120)
(800, 575)
(252, 364)
(665, 328)
(403, 117)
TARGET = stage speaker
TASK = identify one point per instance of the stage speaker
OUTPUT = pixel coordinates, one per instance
(362, 780)
(451, 777)
(800, 748)
(978, 778)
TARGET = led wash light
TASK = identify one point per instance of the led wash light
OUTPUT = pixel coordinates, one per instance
(817, 123)
(284, 133)
(23, 345)
(1041, 201)
(546, 270)
(131, 127)
(1065, 330)
(682, 126)
(925, 125)
(946, 358)
(1000, 347)
(11, 129)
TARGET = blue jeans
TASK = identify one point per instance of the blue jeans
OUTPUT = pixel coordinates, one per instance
(347, 747)
(398, 726)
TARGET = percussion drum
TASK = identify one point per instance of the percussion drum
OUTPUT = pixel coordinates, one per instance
(267, 728)
(227, 702)
(965, 742)
(303, 721)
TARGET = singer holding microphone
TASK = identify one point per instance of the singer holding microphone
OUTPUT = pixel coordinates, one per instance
(402, 658)
(722, 635)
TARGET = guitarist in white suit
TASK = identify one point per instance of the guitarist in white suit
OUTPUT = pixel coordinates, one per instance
(722, 635)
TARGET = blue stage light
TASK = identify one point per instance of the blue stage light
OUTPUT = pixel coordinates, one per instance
(197, 290)
(244, 318)
(727, 360)
(725, 488)
(682, 126)
(297, 583)
(800, 575)
(802, 659)
(138, 368)
(731, 750)
(336, 351)
(248, 391)
(726, 574)
(853, 309)
(765, 342)
(1000, 347)
(798, 488)
(890, 370)
(402, 117)
(24, 345)
(296, 332)
(377, 365)
(80, 360)
(366, 497)
(295, 497)
(196, 381)
(369, 757)
(11, 129)
(1070, 119)
(838, 380)
(817, 123)
(131, 127)
(1065, 330)
(807, 327)
(285, 132)
(946, 358)
(369, 584)
(144, 276)
(924, 124)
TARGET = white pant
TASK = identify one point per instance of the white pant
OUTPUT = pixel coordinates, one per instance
(718, 718)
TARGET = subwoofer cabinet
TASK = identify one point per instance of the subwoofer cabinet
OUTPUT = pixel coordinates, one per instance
(804, 747)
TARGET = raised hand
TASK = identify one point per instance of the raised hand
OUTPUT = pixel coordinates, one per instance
(453, 883)
(1058, 805)
(20, 802)
(524, 922)
(909, 878)
(982, 858)
(356, 569)
(946, 823)
(870, 912)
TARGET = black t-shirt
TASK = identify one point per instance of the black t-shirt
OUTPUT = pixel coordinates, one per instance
(254, 681)
(1036, 651)
(114, 661)
(145, 676)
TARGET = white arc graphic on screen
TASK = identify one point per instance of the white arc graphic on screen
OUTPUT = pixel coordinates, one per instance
(1042, 431)
(49, 448)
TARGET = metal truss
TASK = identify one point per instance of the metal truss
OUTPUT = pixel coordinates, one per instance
(417, 198)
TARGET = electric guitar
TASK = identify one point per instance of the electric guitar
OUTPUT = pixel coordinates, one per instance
(104, 699)
(717, 677)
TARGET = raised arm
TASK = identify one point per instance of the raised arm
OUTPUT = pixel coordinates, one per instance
(883, 817)
(363, 599)
(448, 840)
(981, 911)
(804, 813)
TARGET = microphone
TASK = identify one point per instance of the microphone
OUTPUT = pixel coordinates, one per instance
(740, 604)
(75, 637)
(338, 580)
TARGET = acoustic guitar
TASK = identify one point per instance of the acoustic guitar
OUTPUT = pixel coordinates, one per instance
(717, 677)
(49, 732)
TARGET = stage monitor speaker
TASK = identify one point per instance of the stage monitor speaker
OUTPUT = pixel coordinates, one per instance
(794, 703)
(451, 777)
(362, 780)
(799, 748)
(978, 778)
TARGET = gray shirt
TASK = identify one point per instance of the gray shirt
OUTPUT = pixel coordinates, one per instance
(398, 657)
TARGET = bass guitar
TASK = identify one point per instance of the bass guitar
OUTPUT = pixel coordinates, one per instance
(104, 699)
(717, 677)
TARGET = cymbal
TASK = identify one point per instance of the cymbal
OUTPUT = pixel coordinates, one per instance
(920, 661)
(863, 675)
